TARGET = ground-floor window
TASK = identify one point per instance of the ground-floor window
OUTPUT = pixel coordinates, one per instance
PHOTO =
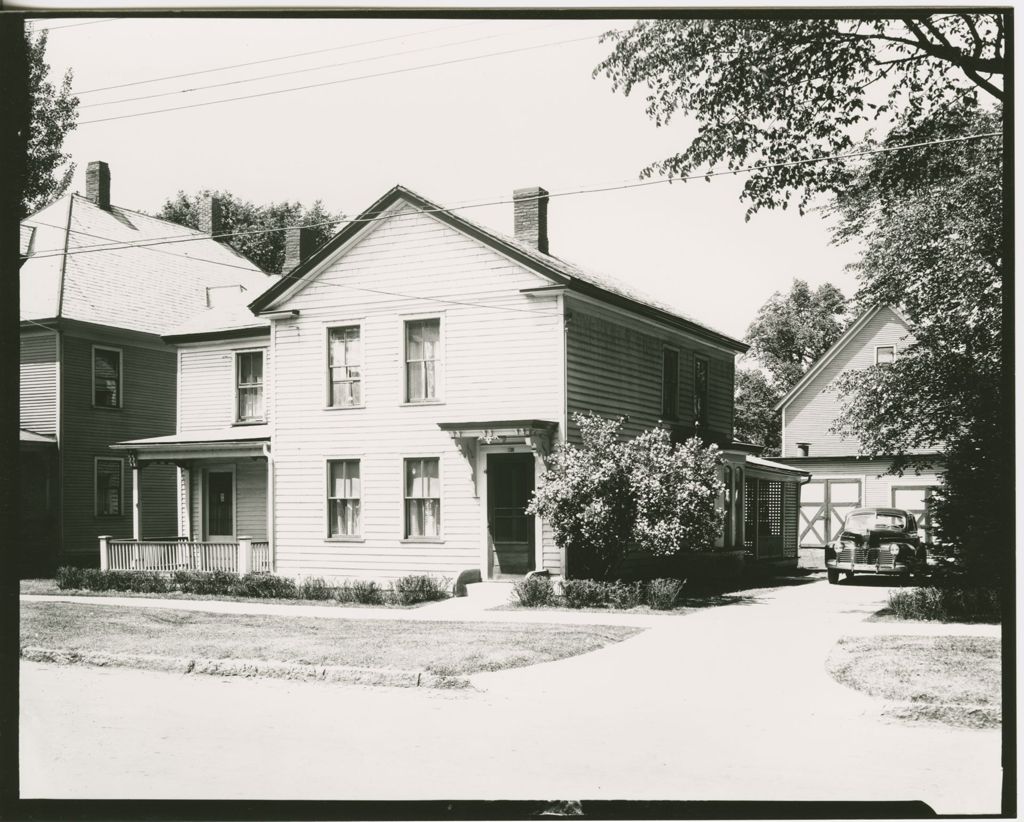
(422, 498)
(343, 498)
(109, 482)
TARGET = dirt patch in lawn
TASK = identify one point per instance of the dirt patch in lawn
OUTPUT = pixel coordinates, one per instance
(443, 648)
(953, 680)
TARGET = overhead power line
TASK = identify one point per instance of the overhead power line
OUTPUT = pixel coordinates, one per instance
(406, 70)
(174, 239)
(256, 79)
(251, 270)
(34, 28)
(273, 59)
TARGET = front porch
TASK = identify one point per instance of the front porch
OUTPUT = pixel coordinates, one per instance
(224, 505)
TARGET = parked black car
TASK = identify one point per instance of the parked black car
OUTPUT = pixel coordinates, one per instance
(877, 541)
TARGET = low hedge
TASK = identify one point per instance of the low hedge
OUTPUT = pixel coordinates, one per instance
(408, 590)
(659, 594)
(947, 603)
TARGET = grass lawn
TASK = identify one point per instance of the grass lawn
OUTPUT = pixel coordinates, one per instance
(955, 680)
(444, 648)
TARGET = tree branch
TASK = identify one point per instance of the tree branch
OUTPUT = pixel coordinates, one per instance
(979, 44)
(944, 51)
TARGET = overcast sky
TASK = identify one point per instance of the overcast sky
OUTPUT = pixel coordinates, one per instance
(468, 131)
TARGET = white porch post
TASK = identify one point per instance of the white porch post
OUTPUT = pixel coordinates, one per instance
(104, 553)
(133, 461)
(244, 555)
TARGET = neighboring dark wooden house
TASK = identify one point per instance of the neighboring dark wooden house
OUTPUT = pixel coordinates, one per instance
(94, 369)
(386, 407)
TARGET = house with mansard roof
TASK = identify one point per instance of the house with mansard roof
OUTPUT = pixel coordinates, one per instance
(842, 479)
(100, 286)
(417, 370)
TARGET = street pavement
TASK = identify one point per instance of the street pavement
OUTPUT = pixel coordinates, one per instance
(731, 703)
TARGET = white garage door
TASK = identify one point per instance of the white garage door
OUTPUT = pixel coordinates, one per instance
(824, 505)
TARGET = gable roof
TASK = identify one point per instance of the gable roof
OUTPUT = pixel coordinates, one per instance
(149, 289)
(837, 346)
(561, 272)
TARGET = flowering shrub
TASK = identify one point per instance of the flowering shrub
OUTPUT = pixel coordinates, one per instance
(675, 488)
(585, 496)
(606, 494)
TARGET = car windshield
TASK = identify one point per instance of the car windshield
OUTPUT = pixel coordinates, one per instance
(865, 521)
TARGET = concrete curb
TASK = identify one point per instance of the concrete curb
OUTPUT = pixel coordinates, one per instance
(248, 668)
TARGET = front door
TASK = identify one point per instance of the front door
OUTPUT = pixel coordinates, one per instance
(220, 506)
(509, 527)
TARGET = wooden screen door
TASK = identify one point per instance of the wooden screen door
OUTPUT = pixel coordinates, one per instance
(509, 527)
(220, 506)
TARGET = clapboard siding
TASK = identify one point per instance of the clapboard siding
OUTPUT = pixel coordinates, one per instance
(876, 483)
(250, 497)
(614, 368)
(500, 361)
(39, 381)
(148, 411)
(810, 414)
(206, 383)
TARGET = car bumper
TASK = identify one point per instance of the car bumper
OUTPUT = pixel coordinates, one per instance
(898, 568)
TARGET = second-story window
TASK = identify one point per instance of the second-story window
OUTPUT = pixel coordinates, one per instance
(345, 363)
(106, 378)
(700, 392)
(422, 359)
(249, 387)
(669, 383)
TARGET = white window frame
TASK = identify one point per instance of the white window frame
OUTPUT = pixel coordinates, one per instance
(879, 347)
(405, 538)
(328, 536)
(120, 377)
(234, 378)
(439, 370)
(697, 357)
(328, 327)
(96, 488)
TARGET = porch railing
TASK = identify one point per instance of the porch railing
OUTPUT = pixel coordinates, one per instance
(181, 554)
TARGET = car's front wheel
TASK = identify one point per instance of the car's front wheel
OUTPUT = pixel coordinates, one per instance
(833, 576)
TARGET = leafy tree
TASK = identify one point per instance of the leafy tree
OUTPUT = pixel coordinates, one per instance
(607, 494)
(789, 89)
(930, 222)
(755, 419)
(265, 245)
(675, 488)
(789, 334)
(54, 115)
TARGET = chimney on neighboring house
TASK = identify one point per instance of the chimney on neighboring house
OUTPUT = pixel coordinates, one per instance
(531, 217)
(210, 215)
(298, 245)
(97, 183)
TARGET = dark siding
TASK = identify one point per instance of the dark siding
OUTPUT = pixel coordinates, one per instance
(614, 367)
(148, 411)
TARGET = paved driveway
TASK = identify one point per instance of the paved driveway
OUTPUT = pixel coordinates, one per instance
(730, 703)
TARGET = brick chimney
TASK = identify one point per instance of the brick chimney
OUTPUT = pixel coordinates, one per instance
(531, 217)
(97, 183)
(298, 245)
(210, 215)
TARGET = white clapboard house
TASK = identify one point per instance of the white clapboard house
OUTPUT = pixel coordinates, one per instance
(842, 479)
(386, 407)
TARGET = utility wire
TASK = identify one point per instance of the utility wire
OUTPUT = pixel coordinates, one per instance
(593, 190)
(406, 70)
(34, 29)
(273, 59)
(253, 270)
(299, 71)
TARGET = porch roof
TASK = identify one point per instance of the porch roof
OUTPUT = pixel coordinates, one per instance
(247, 439)
(761, 464)
(24, 435)
(497, 428)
